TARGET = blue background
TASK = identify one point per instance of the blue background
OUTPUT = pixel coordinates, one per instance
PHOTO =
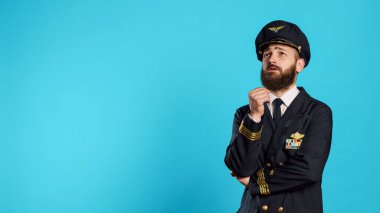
(127, 106)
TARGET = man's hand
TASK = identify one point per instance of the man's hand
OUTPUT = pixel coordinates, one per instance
(242, 180)
(257, 98)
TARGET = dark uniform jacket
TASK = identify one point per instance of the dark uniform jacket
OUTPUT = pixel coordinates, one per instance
(285, 164)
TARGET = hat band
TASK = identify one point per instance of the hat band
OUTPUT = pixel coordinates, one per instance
(280, 41)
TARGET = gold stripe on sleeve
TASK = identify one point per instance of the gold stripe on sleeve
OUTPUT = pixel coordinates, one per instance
(253, 136)
(263, 186)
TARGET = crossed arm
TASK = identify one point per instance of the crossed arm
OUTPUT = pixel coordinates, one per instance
(301, 169)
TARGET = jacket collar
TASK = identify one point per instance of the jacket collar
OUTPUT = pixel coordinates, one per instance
(292, 109)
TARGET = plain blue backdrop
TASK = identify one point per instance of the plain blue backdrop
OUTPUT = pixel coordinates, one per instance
(127, 106)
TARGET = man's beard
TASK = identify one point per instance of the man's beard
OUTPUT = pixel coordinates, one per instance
(276, 81)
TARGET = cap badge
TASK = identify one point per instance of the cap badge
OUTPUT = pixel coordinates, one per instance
(276, 29)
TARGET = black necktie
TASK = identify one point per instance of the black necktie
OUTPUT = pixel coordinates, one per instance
(277, 111)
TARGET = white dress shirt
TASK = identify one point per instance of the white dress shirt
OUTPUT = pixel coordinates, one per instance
(287, 98)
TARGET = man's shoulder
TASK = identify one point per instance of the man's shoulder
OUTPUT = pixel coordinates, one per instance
(321, 104)
(313, 102)
(242, 111)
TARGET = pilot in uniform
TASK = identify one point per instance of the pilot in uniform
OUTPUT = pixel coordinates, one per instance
(282, 154)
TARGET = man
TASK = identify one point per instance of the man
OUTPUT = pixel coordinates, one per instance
(280, 140)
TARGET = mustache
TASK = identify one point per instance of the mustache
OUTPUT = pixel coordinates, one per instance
(272, 66)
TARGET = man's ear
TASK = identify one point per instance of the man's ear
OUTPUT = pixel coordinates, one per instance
(300, 64)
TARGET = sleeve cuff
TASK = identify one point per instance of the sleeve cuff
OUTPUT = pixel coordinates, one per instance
(250, 129)
(251, 124)
(259, 186)
(253, 119)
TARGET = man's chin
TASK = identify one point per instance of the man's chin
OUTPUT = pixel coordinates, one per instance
(273, 75)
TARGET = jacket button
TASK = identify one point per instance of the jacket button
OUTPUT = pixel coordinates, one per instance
(264, 207)
(271, 173)
(281, 163)
(268, 164)
(280, 209)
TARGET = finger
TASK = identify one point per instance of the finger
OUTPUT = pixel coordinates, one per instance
(258, 97)
(257, 93)
(264, 98)
(257, 90)
(266, 90)
(259, 100)
(261, 91)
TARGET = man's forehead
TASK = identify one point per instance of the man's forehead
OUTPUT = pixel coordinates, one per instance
(274, 46)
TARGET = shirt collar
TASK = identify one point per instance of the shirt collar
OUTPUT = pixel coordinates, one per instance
(287, 98)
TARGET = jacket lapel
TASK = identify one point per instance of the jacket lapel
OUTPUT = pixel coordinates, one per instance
(287, 122)
(268, 118)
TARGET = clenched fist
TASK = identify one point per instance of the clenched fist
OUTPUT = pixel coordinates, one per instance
(257, 98)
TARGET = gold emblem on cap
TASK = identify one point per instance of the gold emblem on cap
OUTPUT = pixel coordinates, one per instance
(276, 29)
(299, 48)
(297, 136)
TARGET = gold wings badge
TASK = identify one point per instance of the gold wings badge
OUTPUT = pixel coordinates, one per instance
(276, 29)
(297, 136)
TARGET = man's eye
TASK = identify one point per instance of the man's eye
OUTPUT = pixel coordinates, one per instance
(266, 54)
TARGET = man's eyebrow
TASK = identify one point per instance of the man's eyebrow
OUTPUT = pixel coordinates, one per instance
(280, 48)
(268, 49)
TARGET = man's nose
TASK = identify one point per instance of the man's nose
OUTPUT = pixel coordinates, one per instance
(272, 59)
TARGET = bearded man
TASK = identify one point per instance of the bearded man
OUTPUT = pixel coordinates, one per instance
(281, 140)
